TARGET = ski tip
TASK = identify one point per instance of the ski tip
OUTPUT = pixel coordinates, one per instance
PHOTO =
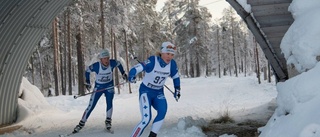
(65, 135)
(110, 131)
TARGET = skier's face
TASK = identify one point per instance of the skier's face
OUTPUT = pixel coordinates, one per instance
(167, 57)
(105, 61)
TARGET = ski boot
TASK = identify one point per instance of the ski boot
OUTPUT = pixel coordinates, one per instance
(108, 123)
(78, 127)
(152, 134)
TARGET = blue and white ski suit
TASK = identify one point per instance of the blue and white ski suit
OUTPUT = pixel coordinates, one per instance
(104, 79)
(151, 91)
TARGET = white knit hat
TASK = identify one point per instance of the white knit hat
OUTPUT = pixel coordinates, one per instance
(168, 47)
(104, 53)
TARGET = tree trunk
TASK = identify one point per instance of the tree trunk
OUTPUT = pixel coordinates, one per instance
(207, 66)
(74, 74)
(257, 62)
(191, 67)
(170, 22)
(219, 65)
(197, 45)
(80, 64)
(225, 71)
(70, 71)
(63, 90)
(230, 67)
(56, 56)
(234, 51)
(64, 85)
(127, 57)
(198, 65)
(186, 65)
(116, 71)
(241, 65)
(111, 41)
(245, 59)
(102, 25)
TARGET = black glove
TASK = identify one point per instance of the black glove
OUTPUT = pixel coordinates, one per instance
(177, 94)
(124, 76)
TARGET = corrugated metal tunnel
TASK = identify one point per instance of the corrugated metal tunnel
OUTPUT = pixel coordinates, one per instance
(22, 24)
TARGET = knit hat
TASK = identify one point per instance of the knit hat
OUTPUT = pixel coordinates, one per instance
(104, 53)
(168, 47)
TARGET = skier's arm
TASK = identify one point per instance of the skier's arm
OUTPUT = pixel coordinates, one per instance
(87, 73)
(92, 68)
(142, 66)
(116, 63)
(136, 69)
(175, 75)
(120, 67)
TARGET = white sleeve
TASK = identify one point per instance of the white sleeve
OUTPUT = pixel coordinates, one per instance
(139, 68)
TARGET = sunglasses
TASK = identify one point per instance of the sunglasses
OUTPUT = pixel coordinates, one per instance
(171, 47)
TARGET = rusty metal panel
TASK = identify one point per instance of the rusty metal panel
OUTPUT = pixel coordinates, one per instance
(22, 25)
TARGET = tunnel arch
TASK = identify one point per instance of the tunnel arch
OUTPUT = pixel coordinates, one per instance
(268, 21)
(23, 22)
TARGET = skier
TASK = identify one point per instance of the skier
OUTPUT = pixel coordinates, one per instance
(157, 68)
(104, 79)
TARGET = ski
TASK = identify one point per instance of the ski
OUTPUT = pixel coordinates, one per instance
(66, 135)
(110, 131)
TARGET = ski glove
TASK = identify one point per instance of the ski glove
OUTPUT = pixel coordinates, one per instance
(124, 76)
(132, 79)
(177, 94)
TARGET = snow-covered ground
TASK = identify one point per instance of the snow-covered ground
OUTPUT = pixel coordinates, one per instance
(202, 99)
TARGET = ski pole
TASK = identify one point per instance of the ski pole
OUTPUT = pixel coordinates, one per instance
(164, 85)
(76, 96)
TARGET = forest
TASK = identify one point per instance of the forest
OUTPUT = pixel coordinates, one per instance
(136, 29)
